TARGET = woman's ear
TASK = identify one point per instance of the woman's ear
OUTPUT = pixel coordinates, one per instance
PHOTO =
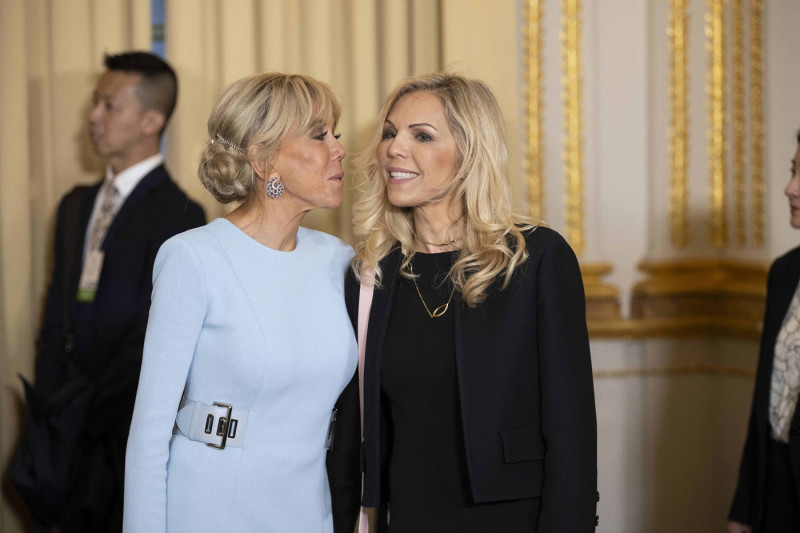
(258, 163)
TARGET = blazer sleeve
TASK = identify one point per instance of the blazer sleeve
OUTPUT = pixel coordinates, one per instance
(344, 460)
(742, 508)
(51, 359)
(569, 424)
(176, 321)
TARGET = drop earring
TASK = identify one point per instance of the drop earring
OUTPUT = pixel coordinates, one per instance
(274, 188)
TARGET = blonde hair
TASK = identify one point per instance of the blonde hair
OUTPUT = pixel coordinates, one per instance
(493, 243)
(251, 119)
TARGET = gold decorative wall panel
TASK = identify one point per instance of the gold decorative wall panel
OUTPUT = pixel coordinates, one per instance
(534, 157)
(702, 296)
(602, 299)
(679, 127)
(739, 151)
(757, 121)
(572, 94)
(688, 298)
(735, 138)
(683, 370)
(715, 33)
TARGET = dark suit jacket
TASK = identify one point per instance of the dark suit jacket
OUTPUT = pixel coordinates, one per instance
(748, 501)
(107, 335)
(525, 384)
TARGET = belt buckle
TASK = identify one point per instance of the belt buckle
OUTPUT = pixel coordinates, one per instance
(222, 426)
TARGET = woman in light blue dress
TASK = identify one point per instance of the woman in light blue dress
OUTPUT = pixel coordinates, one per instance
(248, 343)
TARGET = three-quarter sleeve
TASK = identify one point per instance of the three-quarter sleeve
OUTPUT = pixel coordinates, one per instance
(175, 322)
(569, 424)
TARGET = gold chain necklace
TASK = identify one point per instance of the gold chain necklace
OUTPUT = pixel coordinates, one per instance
(448, 243)
(439, 311)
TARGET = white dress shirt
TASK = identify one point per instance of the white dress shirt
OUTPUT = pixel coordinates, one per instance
(125, 182)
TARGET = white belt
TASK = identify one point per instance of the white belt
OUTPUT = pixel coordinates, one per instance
(218, 425)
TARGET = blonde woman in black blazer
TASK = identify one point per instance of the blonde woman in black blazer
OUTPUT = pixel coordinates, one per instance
(767, 498)
(478, 399)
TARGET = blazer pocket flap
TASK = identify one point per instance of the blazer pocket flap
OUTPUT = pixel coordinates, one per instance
(522, 444)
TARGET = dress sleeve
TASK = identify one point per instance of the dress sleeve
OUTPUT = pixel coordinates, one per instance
(177, 313)
(569, 423)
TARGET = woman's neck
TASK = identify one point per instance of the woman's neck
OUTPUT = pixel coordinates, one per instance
(437, 230)
(268, 222)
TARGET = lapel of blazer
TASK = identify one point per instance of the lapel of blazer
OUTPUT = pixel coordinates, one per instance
(149, 182)
(782, 294)
(382, 303)
(376, 333)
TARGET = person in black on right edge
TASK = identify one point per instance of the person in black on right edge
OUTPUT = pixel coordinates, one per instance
(767, 499)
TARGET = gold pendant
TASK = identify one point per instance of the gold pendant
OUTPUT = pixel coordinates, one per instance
(439, 311)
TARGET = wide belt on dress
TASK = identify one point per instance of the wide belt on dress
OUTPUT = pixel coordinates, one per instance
(217, 425)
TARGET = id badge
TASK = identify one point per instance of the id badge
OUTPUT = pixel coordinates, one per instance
(90, 276)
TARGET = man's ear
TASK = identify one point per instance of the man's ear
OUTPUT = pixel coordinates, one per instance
(153, 122)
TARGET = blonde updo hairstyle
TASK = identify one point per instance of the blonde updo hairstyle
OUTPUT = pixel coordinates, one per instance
(251, 120)
(493, 244)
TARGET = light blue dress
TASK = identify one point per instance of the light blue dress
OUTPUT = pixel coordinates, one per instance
(266, 331)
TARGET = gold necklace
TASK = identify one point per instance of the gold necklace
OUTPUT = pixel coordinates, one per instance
(448, 243)
(439, 311)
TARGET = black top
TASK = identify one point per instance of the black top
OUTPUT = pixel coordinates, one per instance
(428, 484)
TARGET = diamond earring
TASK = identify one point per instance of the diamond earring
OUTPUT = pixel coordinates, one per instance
(274, 188)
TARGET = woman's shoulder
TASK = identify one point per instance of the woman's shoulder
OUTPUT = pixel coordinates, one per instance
(540, 238)
(202, 241)
(786, 265)
(790, 257)
(199, 234)
(319, 242)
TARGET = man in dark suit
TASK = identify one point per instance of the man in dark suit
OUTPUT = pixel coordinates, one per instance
(107, 237)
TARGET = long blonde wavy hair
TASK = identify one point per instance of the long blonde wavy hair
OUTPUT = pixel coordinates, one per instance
(493, 244)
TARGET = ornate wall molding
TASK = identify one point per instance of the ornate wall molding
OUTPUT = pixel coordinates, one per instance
(688, 298)
(602, 299)
(757, 120)
(693, 296)
(679, 123)
(532, 104)
(572, 94)
(717, 138)
(737, 97)
(684, 370)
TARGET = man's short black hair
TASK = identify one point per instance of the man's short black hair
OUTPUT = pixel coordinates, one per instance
(159, 86)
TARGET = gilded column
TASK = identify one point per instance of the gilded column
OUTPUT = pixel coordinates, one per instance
(572, 94)
(534, 157)
(679, 125)
(738, 120)
(716, 110)
(757, 121)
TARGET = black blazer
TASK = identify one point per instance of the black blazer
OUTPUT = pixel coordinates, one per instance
(748, 501)
(525, 382)
(107, 335)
